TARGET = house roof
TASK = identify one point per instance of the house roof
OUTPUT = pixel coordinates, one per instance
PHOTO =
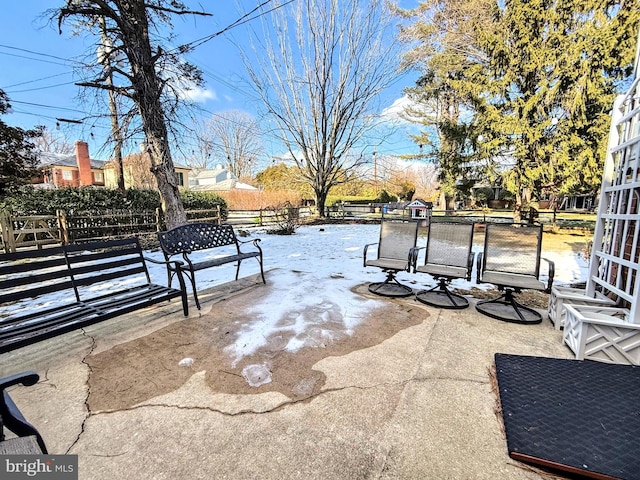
(50, 159)
(223, 186)
(418, 203)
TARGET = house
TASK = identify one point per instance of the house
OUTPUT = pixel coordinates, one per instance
(219, 179)
(78, 170)
(74, 170)
(137, 173)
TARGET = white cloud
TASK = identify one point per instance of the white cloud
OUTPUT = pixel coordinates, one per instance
(397, 111)
(198, 95)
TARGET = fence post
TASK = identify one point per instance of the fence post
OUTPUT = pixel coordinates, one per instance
(62, 226)
(219, 214)
(7, 231)
(158, 226)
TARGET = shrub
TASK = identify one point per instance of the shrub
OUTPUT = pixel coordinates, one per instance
(483, 195)
(38, 201)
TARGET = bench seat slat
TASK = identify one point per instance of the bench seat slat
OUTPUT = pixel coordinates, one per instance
(85, 265)
(215, 262)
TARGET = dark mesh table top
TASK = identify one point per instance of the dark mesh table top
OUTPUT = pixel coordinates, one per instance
(582, 417)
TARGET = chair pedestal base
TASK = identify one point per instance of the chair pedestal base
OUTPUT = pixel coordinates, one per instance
(507, 309)
(390, 287)
(441, 297)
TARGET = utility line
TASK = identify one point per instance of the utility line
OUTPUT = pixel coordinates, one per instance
(41, 54)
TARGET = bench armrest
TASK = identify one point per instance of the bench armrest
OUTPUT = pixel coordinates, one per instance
(173, 267)
(164, 262)
(552, 270)
(255, 242)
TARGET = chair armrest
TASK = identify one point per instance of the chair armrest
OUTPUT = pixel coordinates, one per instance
(414, 252)
(552, 271)
(12, 417)
(479, 267)
(472, 255)
(25, 378)
(364, 254)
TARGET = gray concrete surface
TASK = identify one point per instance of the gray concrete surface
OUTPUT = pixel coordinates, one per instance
(419, 405)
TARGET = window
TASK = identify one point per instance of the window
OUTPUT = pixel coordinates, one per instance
(98, 177)
(180, 178)
(67, 175)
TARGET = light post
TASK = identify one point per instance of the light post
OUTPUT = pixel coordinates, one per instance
(375, 173)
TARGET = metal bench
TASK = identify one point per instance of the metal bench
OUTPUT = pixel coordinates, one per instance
(52, 291)
(193, 237)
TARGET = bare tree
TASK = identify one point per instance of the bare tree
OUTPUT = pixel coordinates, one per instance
(326, 62)
(49, 141)
(233, 138)
(148, 70)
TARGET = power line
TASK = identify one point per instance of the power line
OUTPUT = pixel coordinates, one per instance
(36, 80)
(40, 54)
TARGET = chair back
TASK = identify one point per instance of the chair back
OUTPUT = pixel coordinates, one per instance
(512, 248)
(449, 244)
(397, 239)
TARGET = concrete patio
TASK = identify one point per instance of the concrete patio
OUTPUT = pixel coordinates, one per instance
(416, 404)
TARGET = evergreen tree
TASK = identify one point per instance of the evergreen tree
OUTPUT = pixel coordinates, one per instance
(18, 161)
(538, 78)
(448, 46)
(548, 87)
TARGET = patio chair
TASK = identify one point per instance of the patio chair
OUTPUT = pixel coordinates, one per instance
(395, 247)
(511, 261)
(28, 440)
(447, 256)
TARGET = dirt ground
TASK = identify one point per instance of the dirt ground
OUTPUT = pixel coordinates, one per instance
(144, 368)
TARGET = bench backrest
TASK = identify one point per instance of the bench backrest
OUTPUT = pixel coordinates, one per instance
(93, 263)
(32, 273)
(196, 236)
(512, 248)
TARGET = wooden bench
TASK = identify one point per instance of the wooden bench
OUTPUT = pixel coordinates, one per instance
(51, 291)
(28, 440)
(193, 237)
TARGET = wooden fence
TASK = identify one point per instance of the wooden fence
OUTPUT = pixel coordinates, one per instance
(18, 232)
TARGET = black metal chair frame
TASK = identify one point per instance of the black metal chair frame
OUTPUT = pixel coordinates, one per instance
(10, 416)
(448, 255)
(395, 249)
(511, 261)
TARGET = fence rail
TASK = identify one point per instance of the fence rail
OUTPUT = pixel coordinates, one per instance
(19, 232)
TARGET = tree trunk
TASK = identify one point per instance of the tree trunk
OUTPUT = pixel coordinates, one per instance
(148, 88)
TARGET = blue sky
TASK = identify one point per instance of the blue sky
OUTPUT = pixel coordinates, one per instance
(38, 68)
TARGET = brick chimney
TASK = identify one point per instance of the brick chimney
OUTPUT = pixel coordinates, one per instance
(84, 163)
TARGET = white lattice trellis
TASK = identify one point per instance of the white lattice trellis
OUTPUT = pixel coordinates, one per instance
(614, 266)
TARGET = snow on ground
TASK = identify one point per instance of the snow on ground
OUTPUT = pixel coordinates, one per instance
(311, 275)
